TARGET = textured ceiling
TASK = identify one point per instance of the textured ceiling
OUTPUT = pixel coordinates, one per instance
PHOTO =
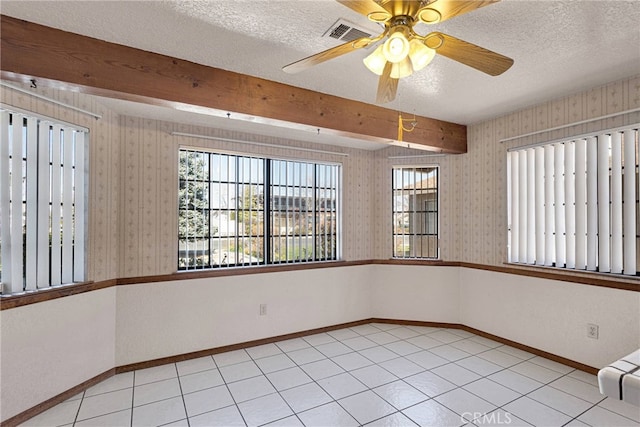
(559, 47)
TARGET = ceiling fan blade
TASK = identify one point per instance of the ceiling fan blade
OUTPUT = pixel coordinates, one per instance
(387, 86)
(328, 54)
(469, 54)
(441, 10)
(364, 7)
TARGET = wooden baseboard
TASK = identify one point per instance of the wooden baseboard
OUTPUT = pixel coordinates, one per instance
(563, 360)
(232, 347)
(32, 412)
(50, 403)
(532, 350)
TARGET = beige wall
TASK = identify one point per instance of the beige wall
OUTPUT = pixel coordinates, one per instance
(429, 294)
(551, 315)
(50, 347)
(164, 319)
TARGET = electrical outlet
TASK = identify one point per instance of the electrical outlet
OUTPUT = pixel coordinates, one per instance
(263, 309)
(592, 331)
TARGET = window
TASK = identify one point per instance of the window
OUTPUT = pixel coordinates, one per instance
(574, 204)
(240, 210)
(415, 212)
(42, 203)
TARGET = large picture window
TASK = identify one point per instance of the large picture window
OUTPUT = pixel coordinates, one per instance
(240, 210)
(574, 203)
(415, 212)
(42, 202)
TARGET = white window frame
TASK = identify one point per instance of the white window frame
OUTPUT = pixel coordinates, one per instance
(413, 254)
(186, 255)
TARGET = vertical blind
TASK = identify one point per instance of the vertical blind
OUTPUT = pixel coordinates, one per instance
(574, 203)
(42, 203)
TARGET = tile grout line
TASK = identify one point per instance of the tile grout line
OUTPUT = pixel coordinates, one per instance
(276, 389)
(228, 391)
(184, 404)
(75, 418)
(133, 394)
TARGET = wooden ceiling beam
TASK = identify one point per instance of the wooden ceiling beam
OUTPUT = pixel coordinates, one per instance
(74, 62)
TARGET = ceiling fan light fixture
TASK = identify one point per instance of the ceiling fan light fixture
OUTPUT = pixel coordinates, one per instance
(376, 61)
(402, 69)
(420, 54)
(396, 48)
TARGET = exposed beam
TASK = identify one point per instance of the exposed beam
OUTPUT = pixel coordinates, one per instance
(70, 61)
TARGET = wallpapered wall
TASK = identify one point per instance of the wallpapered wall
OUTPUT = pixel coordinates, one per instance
(473, 186)
(149, 201)
(483, 202)
(133, 178)
(149, 197)
(450, 218)
(104, 176)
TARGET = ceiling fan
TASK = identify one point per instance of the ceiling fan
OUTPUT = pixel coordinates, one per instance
(406, 51)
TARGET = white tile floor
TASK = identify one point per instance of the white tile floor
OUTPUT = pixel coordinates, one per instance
(376, 374)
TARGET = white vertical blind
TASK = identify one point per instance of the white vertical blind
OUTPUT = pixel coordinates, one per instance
(17, 209)
(604, 233)
(629, 202)
(67, 206)
(56, 202)
(522, 208)
(79, 208)
(581, 204)
(573, 203)
(531, 206)
(31, 257)
(549, 206)
(539, 206)
(44, 224)
(5, 200)
(509, 208)
(570, 205)
(42, 203)
(616, 203)
(559, 205)
(592, 203)
(515, 212)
